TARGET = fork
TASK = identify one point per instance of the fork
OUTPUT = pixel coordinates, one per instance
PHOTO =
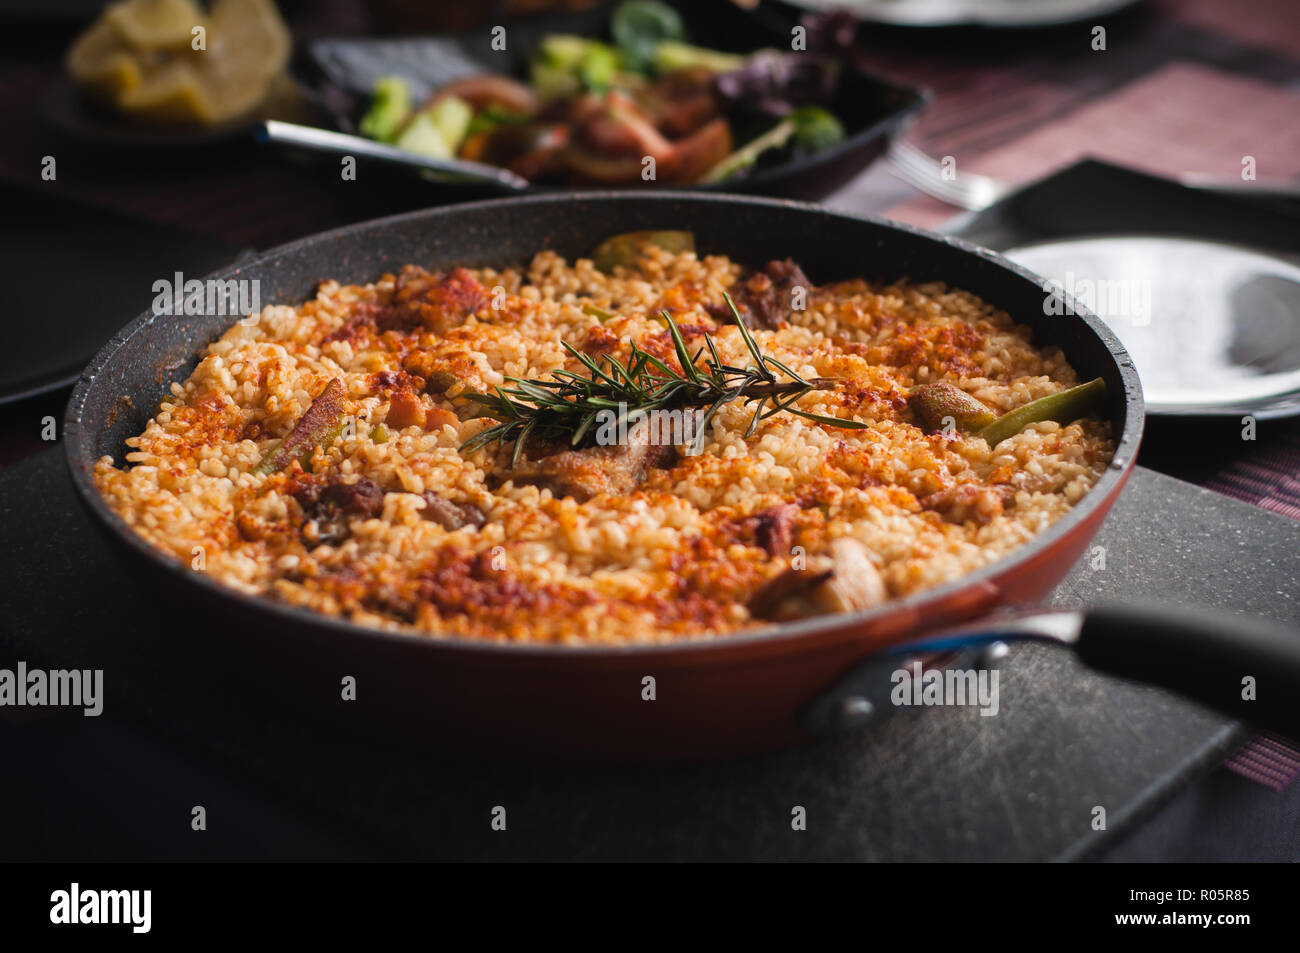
(965, 190)
(975, 192)
(344, 144)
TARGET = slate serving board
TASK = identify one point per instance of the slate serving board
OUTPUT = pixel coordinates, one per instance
(926, 784)
(1092, 197)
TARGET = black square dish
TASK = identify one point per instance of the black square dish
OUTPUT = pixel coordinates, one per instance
(872, 109)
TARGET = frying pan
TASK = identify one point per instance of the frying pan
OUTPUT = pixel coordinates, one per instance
(742, 693)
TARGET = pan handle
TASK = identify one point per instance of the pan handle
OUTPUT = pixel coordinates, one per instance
(1243, 666)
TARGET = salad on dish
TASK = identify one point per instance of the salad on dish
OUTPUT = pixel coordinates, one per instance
(645, 106)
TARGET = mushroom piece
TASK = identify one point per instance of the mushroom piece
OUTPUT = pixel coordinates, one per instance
(844, 579)
(940, 403)
(855, 582)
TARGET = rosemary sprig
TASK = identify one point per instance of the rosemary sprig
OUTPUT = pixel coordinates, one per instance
(568, 405)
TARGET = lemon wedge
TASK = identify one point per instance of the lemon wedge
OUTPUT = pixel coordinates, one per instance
(155, 24)
(166, 61)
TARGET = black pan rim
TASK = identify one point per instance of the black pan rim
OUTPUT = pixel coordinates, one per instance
(78, 456)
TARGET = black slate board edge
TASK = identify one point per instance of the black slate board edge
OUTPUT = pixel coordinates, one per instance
(1095, 197)
(1156, 795)
(253, 768)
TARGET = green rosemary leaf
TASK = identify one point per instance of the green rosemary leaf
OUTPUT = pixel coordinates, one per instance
(663, 368)
(520, 441)
(833, 421)
(779, 405)
(507, 404)
(480, 440)
(679, 344)
(590, 364)
(785, 370)
(704, 427)
(753, 421)
(714, 360)
(582, 429)
(619, 370)
(535, 391)
(750, 343)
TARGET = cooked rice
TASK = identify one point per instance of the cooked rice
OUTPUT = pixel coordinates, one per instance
(672, 559)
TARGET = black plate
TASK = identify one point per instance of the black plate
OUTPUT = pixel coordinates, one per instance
(872, 109)
(75, 273)
(1008, 14)
(76, 116)
(81, 119)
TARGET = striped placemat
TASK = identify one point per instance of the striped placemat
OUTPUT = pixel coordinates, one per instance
(1272, 482)
(1267, 760)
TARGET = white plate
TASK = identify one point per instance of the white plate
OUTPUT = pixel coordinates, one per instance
(1005, 13)
(1211, 328)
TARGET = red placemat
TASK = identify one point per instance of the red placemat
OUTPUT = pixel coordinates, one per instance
(1181, 118)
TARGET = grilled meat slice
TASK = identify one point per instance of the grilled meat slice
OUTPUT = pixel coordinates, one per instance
(774, 529)
(583, 474)
(967, 501)
(765, 297)
(449, 515)
(328, 507)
